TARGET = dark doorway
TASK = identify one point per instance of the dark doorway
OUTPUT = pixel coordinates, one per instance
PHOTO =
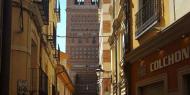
(187, 84)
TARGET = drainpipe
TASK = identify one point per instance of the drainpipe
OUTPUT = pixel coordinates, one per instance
(6, 48)
(127, 38)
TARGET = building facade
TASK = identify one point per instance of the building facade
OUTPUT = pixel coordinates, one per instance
(29, 44)
(119, 46)
(158, 60)
(82, 44)
(162, 64)
(64, 82)
(106, 19)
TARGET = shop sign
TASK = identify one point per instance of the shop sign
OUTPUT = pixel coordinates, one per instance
(173, 58)
(22, 87)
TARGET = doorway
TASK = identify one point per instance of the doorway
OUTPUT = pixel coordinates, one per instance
(152, 89)
(186, 82)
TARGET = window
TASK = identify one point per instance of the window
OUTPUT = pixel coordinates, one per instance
(148, 15)
(94, 40)
(44, 83)
(73, 40)
(79, 2)
(87, 40)
(94, 2)
(79, 40)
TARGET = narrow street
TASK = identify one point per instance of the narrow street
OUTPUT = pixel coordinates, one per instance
(94, 47)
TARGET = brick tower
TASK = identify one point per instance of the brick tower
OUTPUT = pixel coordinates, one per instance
(82, 44)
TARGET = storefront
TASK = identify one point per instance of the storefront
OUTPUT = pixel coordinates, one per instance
(162, 66)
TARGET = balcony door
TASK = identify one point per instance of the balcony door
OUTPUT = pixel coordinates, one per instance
(146, 9)
(147, 15)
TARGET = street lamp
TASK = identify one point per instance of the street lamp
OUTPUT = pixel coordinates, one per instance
(99, 70)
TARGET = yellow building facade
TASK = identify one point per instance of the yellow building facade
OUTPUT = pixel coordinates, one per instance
(33, 55)
(119, 47)
(64, 82)
(159, 28)
(155, 34)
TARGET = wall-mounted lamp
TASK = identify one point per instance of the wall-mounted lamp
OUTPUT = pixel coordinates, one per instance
(99, 70)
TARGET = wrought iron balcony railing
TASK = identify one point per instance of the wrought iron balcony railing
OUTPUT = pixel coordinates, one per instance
(148, 16)
(43, 6)
(57, 54)
(52, 38)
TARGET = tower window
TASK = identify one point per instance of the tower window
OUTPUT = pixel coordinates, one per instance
(79, 2)
(94, 2)
(79, 40)
(94, 40)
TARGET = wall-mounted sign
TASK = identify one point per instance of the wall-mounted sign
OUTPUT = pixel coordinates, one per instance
(170, 59)
(22, 87)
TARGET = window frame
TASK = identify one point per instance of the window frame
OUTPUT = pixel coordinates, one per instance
(148, 15)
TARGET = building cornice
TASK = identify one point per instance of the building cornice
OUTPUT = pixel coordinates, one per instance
(65, 76)
(166, 36)
(33, 12)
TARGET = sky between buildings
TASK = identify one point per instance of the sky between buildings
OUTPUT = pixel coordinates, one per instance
(61, 27)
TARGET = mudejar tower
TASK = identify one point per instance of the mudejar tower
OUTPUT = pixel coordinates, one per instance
(82, 44)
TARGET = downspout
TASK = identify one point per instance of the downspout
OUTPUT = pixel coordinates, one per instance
(6, 48)
(127, 38)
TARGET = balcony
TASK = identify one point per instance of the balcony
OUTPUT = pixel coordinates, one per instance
(52, 38)
(43, 6)
(147, 16)
(57, 54)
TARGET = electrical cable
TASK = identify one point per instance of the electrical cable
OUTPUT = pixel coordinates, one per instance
(75, 36)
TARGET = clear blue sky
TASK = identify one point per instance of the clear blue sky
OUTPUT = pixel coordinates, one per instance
(61, 27)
